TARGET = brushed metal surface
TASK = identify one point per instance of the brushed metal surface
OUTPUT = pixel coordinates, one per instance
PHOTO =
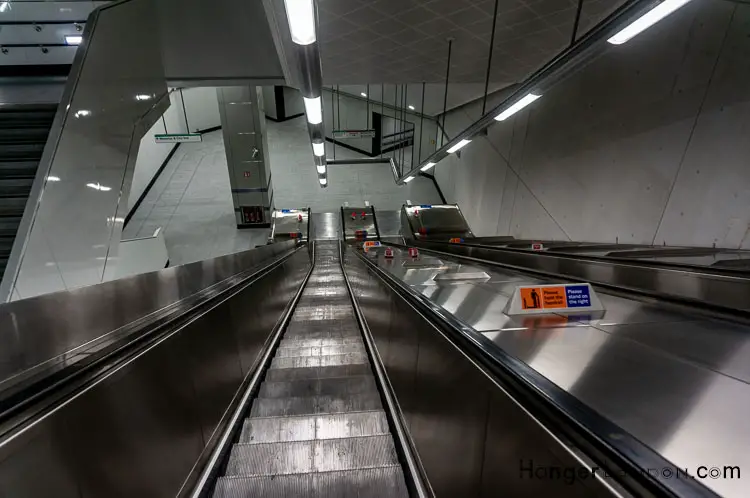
(473, 444)
(35, 339)
(305, 428)
(139, 429)
(324, 455)
(278, 407)
(326, 226)
(319, 361)
(317, 387)
(308, 343)
(319, 351)
(362, 483)
(285, 374)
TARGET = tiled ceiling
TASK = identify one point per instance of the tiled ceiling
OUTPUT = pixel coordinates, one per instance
(405, 41)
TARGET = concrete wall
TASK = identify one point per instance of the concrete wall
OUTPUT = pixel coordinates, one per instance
(647, 144)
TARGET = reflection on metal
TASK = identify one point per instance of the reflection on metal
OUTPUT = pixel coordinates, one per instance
(326, 226)
(290, 224)
(359, 223)
(434, 222)
(375, 160)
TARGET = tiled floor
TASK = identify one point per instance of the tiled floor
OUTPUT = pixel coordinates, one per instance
(191, 200)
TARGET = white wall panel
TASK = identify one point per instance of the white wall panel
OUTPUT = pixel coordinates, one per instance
(202, 108)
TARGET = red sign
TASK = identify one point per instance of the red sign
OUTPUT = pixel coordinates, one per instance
(246, 174)
(456, 240)
(537, 246)
(389, 252)
(413, 252)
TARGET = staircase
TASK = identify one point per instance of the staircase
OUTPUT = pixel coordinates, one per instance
(24, 129)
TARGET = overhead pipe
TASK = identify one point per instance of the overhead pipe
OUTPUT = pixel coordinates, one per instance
(564, 64)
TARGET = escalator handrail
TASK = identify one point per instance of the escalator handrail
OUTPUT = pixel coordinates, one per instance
(30, 403)
(549, 403)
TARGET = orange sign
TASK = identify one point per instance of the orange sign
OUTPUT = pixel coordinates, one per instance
(542, 298)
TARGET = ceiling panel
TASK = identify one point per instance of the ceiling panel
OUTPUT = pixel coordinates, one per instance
(406, 41)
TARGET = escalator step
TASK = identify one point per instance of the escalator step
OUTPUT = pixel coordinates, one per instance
(311, 405)
(299, 457)
(318, 387)
(319, 361)
(309, 343)
(287, 352)
(304, 428)
(363, 483)
(298, 327)
(284, 374)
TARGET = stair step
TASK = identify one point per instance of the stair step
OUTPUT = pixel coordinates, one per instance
(288, 352)
(313, 405)
(299, 457)
(362, 483)
(318, 387)
(304, 428)
(15, 187)
(13, 169)
(309, 343)
(12, 206)
(319, 361)
(284, 374)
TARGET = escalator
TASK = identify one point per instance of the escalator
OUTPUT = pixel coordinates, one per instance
(23, 134)
(317, 426)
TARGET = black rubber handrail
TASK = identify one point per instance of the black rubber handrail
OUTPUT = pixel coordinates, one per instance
(626, 459)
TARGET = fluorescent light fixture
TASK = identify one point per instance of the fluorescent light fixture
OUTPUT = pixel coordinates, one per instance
(460, 145)
(73, 39)
(313, 110)
(363, 94)
(411, 107)
(82, 113)
(408, 179)
(427, 166)
(319, 149)
(301, 16)
(143, 96)
(4, 6)
(647, 20)
(528, 99)
(53, 178)
(321, 169)
(322, 181)
(99, 186)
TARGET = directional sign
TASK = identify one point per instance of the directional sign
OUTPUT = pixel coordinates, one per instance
(353, 133)
(178, 137)
(560, 298)
(537, 246)
(370, 244)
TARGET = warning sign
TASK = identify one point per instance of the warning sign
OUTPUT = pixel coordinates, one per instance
(553, 298)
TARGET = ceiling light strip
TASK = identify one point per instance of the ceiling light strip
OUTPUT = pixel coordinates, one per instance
(566, 62)
(301, 16)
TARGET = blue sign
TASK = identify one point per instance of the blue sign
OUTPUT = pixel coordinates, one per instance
(426, 206)
(286, 210)
(577, 296)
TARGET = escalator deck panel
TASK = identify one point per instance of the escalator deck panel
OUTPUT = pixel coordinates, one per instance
(317, 426)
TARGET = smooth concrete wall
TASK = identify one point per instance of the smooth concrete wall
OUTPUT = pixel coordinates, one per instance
(202, 108)
(647, 144)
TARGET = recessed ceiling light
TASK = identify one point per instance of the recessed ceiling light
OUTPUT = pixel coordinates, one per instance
(411, 107)
(73, 39)
(363, 94)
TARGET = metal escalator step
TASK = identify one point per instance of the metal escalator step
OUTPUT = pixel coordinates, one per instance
(313, 405)
(289, 352)
(362, 483)
(340, 324)
(15, 169)
(282, 374)
(12, 206)
(298, 457)
(304, 428)
(310, 343)
(318, 387)
(323, 312)
(319, 361)
(317, 300)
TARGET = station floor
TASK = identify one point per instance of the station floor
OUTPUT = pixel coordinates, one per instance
(192, 203)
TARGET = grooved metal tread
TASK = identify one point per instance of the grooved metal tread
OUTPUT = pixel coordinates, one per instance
(362, 483)
(319, 361)
(309, 405)
(322, 455)
(311, 427)
(282, 374)
(318, 387)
